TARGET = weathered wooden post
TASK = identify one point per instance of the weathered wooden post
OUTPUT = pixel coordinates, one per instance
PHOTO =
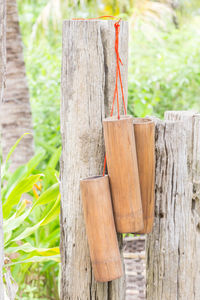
(173, 262)
(2, 83)
(88, 82)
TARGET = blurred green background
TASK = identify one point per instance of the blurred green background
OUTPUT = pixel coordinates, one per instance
(164, 56)
(164, 74)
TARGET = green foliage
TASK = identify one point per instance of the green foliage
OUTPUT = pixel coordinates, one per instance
(43, 66)
(31, 207)
(164, 70)
(43, 70)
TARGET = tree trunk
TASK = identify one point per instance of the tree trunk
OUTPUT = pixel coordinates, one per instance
(15, 113)
(2, 83)
(173, 263)
(88, 83)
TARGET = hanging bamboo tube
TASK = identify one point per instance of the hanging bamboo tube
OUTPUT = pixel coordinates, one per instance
(144, 129)
(123, 173)
(100, 228)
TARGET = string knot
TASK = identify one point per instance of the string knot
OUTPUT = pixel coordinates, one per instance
(117, 26)
(118, 72)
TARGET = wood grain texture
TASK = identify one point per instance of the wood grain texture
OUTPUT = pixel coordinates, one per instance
(144, 129)
(123, 173)
(2, 83)
(88, 79)
(100, 228)
(15, 113)
(173, 264)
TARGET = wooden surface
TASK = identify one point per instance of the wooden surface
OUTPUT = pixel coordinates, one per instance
(144, 129)
(15, 113)
(100, 228)
(123, 173)
(2, 83)
(173, 263)
(88, 82)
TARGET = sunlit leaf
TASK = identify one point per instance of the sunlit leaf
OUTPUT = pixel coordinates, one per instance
(35, 259)
(28, 248)
(24, 186)
(49, 195)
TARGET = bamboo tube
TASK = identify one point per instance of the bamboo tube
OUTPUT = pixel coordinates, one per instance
(123, 173)
(144, 129)
(100, 228)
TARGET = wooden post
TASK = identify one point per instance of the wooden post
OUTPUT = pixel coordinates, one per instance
(88, 82)
(173, 263)
(2, 83)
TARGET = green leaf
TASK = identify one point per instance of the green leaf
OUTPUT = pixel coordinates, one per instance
(28, 231)
(34, 162)
(28, 248)
(35, 259)
(13, 222)
(21, 207)
(54, 159)
(52, 215)
(50, 177)
(24, 186)
(48, 196)
(52, 237)
(46, 146)
(14, 147)
(13, 180)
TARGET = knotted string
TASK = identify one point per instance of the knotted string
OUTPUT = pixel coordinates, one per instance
(118, 75)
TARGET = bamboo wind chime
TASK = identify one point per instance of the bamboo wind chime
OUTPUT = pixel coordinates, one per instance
(126, 205)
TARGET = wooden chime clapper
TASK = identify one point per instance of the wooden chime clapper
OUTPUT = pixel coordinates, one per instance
(144, 129)
(123, 173)
(100, 228)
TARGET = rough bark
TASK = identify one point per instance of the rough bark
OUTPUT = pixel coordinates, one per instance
(173, 264)
(15, 113)
(88, 82)
(2, 83)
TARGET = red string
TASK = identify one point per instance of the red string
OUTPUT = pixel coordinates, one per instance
(118, 75)
(101, 17)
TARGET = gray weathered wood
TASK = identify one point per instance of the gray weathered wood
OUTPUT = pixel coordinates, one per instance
(88, 82)
(15, 113)
(2, 83)
(173, 263)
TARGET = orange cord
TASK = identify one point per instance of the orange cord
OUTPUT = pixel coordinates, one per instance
(118, 74)
(101, 17)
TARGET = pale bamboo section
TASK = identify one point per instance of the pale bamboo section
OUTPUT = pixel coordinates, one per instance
(123, 173)
(144, 129)
(100, 228)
